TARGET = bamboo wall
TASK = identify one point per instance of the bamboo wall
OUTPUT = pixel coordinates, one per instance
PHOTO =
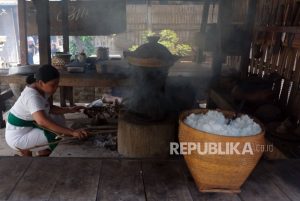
(185, 20)
(275, 48)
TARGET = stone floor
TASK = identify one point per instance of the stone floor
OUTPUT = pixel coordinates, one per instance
(92, 147)
(5, 150)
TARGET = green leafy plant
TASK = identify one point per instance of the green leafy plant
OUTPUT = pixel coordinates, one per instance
(73, 47)
(170, 40)
(146, 34)
(132, 48)
(85, 43)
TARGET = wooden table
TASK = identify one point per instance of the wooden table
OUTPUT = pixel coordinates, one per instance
(85, 179)
(70, 80)
(88, 79)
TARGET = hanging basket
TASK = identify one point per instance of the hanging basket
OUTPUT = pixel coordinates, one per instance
(219, 172)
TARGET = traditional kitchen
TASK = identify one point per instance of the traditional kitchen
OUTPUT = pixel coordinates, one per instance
(154, 100)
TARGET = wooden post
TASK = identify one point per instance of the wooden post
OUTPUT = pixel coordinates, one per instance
(248, 38)
(218, 56)
(149, 15)
(65, 30)
(203, 30)
(43, 23)
(66, 92)
(65, 22)
(22, 31)
(224, 20)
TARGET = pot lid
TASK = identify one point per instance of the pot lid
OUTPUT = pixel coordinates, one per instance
(151, 54)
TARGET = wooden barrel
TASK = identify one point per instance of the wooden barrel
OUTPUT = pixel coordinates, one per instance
(220, 172)
(139, 140)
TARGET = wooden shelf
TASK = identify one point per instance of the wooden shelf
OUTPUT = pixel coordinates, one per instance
(90, 79)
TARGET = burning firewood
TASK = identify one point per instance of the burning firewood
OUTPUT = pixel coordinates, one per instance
(102, 113)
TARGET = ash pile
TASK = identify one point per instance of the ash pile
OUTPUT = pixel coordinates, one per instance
(103, 124)
(104, 111)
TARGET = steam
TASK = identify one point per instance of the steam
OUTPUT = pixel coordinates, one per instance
(155, 96)
(147, 98)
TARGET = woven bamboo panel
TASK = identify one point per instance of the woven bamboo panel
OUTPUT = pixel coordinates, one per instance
(276, 44)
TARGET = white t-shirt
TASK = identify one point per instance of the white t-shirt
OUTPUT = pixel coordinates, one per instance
(28, 103)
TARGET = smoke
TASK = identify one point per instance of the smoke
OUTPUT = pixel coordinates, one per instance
(147, 97)
(155, 95)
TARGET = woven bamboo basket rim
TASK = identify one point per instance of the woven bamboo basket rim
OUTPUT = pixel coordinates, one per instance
(226, 113)
(148, 62)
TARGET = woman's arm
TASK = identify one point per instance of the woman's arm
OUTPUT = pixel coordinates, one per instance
(43, 121)
(58, 110)
(63, 110)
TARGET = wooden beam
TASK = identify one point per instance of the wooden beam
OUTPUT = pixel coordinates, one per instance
(204, 16)
(245, 61)
(76, 80)
(203, 30)
(65, 30)
(167, 2)
(43, 23)
(12, 169)
(224, 18)
(129, 172)
(65, 22)
(149, 16)
(22, 31)
(164, 180)
(71, 184)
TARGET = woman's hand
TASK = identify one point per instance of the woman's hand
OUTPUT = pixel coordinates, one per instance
(79, 133)
(75, 109)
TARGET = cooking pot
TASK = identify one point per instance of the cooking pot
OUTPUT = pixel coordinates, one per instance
(23, 70)
(151, 54)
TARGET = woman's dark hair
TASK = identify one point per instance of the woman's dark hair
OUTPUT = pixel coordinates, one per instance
(45, 73)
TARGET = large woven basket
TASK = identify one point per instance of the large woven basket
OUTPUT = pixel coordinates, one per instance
(59, 60)
(215, 172)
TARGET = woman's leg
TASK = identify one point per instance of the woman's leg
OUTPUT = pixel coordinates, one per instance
(44, 153)
(33, 141)
(25, 152)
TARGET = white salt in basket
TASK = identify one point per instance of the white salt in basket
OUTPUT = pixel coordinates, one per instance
(221, 172)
